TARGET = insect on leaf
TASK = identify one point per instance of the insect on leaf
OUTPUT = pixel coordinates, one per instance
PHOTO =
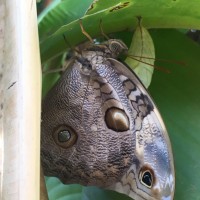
(142, 55)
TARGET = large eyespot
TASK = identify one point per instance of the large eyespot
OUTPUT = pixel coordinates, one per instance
(116, 119)
(146, 177)
(65, 136)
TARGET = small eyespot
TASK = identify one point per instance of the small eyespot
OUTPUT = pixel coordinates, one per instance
(65, 136)
(146, 177)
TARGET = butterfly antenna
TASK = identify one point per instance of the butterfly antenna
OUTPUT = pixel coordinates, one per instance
(102, 32)
(84, 32)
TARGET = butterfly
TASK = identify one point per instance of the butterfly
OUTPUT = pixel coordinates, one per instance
(101, 127)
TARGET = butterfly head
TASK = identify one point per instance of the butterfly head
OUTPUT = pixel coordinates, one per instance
(116, 47)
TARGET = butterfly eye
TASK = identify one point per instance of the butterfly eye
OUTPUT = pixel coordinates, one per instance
(65, 136)
(115, 47)
(147, 178)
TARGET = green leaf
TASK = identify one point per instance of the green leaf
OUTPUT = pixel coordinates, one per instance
(59, 13)
(56, 190)
(140, 50)
(119, 15)
(178, 98)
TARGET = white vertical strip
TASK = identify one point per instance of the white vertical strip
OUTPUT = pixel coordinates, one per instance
(2, 23)
(21, 100)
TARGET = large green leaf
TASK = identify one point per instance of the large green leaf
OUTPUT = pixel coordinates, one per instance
(178, 97)
(58, 191)
(58, 13)
(140, 50)
(119, 15)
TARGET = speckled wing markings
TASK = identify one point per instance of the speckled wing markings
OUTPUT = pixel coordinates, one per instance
(152, 142)
(105, 98)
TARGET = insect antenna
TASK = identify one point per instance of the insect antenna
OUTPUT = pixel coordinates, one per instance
(102, 32)
(84, 32)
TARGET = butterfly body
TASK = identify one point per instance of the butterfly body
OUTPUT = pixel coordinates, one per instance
(100, 127)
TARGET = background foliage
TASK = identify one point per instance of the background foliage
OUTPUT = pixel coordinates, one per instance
(177, 94)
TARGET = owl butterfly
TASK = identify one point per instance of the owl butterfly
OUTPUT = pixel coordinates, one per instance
(100, 127)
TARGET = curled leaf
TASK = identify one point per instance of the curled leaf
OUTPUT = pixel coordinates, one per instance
(142, 55)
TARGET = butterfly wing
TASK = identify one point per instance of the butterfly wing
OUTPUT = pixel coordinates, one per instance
(100, 127)
(91, 105)
(152, 173)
